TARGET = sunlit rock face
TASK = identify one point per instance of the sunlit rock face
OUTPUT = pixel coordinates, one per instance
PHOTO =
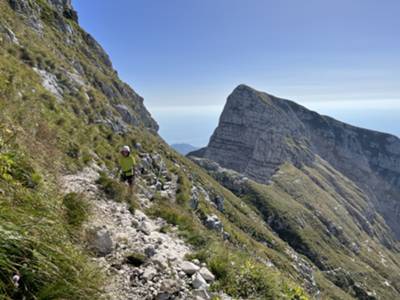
(258, 132)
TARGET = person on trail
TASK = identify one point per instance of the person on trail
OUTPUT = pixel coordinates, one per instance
(127, 165)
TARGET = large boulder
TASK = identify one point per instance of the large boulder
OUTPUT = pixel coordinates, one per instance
(146, 227)
(169, 288)
(149, 273)
(212, 222)
(219, 202)
(201, 294)
(198, 282)
(194, 198)
(99, 241)
(189, 268)
(207, 275)
(159, 163)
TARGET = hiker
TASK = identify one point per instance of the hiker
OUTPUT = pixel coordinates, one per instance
(127, 165)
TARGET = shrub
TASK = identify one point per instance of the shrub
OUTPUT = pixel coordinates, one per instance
(189, 228)
(6, 164)
(73, 150)
(86, 157)
(295, 293)
(76, 209)
(183, 190)
(117, 191)
(49, 267)
(16, 167)
(27, 57)
(136, 259)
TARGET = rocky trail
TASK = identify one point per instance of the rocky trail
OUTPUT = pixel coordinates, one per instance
(140, 262)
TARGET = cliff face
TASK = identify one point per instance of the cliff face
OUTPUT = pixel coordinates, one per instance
(258, 132)
(329, 189)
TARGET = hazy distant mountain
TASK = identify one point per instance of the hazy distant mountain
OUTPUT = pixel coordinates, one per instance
(183, 148)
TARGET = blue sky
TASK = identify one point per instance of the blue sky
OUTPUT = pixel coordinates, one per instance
(339, 57)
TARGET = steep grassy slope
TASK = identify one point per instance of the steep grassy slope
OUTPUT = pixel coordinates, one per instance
(319, 213)
(62, 107)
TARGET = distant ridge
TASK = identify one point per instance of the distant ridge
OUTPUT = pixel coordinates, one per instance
(184, 148)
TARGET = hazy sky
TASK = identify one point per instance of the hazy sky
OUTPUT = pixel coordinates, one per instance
(341, 58)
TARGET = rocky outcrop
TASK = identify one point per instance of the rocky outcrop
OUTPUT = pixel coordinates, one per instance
(255, 136)
(62, 7)
(258, 132)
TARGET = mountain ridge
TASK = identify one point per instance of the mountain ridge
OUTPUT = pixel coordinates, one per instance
(184, 148)
(338, 183)
(257, 132)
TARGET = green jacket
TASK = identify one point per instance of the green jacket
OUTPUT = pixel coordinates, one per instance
(127, 163)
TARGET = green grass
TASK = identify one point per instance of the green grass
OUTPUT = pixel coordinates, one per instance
(183, 192)
(301, 205)
(34, 238)
(189, 227)
(240, 275)
(118, 191)
(77, 209)
(112, 188)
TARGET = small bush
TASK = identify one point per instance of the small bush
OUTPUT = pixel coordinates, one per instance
(184, 189)
(117, 191)
(6, 164)
(295, 293)
(73, 150)
(189, 229)
(136, 259)
(16, 167)
(132, 203)
(76, 209)
(27, 57)
(86, 157)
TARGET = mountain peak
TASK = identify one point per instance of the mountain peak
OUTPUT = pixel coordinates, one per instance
(245, 89)
(258, 133)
